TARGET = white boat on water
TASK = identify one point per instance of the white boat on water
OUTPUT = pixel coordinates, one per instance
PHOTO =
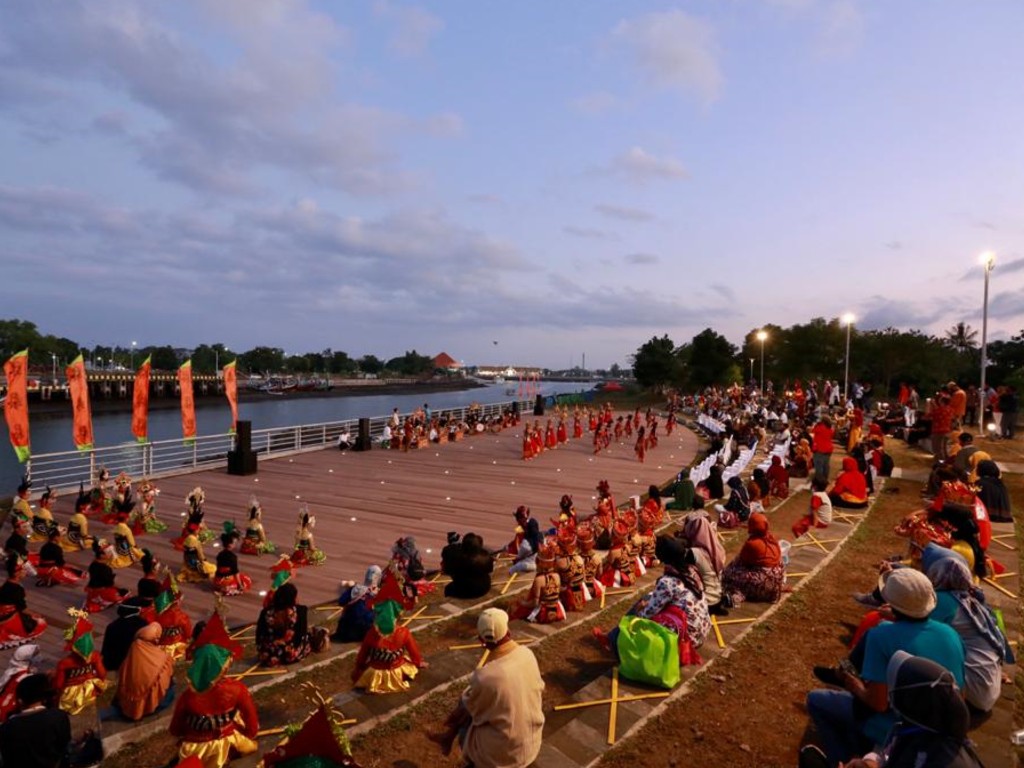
(499, 380)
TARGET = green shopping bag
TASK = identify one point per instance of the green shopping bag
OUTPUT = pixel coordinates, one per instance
(648, 652)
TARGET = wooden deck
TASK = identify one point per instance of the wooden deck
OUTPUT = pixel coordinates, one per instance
(364, 501)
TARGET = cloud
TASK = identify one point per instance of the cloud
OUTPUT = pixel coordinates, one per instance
(640, 166)
(486, 198)
(258, 90)
(595, 103)
(880, 312)
(674, 50)
(1007, 305)
(1002, 268)
(623, 213)
(724, 291)
(642, 259)
(894, 245)
(589, 233)
(414, 27)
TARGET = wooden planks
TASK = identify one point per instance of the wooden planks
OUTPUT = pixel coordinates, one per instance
(470, 485)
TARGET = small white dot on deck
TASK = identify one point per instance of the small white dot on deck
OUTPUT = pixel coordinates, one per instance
(352, 519)
(635, 480)
(289, 461)
(558, 470)
(513, 482)
(331, 471)
(263, 593)
(297, 496)
(437, 454)
(589, 459)
(255, 479)
(446, 471)
(447, 498)
(389, 461)
(593, 497)
(494, 462)
(216, 544)
(659, 466)
(429, 551)
(182, 514)
(382, 482)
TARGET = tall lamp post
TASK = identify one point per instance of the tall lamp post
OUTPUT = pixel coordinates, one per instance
(132, 364)
(988, 262)
(751, 369)
(761, 336)
(54, 358)
(848, 319)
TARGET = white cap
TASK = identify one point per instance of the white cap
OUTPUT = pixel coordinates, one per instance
(492, 625)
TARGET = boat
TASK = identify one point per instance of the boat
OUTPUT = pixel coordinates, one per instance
(499, 380)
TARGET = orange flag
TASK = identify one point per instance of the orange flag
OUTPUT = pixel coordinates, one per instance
(188, 402)
(231, 391)
(140, 402)
(16, 404)
(81, 421)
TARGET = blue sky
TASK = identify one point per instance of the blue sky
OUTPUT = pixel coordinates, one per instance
(562, 178)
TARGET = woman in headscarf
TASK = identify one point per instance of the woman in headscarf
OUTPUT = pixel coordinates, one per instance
(850, 490)
(283, 635)
(778, 479)
(961, 605)
(757, 573)
(145, 681)
(802, 458)
(992, 492)
(677, 602)
(25, 661)
(737, 508)
(357, 615)
(933, 718)
(973, 461)
(389, 656)
(713, 485)
(708, 556)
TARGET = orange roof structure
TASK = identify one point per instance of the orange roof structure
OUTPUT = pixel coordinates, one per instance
(444, 360)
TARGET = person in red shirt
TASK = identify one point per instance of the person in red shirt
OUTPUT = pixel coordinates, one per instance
(942, 423)
(822, 446)
(851, 488)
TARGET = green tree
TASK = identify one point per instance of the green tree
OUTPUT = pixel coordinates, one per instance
(262, 360)
(411, 364)
(656, 364)
(711, 359)
(161, 358)
(340, 362)
(961, 337)
(371, 364)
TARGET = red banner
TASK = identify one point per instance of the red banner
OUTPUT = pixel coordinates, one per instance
(231, 391)
(81, 412)
(140, 402)
(16, 403)
(188, 402)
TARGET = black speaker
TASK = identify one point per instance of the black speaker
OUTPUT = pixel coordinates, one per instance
(242, 460)
(363, 441)
(538, 407)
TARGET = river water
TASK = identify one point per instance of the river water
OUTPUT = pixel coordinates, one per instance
(110, 429)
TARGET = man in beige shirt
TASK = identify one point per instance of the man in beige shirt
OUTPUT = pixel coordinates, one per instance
(499, 719)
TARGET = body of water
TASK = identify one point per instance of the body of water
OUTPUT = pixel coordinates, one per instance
(52, 435)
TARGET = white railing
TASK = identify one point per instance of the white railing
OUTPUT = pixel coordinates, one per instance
(163, 458)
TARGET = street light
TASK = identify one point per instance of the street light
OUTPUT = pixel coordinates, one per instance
(988, 263)
(761, 336)
(54, 358)
(848, 319)
(134, 344)
(751, 377)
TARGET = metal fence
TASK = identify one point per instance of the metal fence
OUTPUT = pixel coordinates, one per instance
(163, 458)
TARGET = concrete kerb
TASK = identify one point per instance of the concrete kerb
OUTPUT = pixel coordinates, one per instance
(685, 688)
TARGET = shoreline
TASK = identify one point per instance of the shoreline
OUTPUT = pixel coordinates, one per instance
(58, 409)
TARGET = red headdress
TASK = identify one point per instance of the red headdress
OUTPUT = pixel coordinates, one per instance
(215, 633)
(315, 744)
(648, 519)
(620, 532)
(585, 537)
(629, 518)
(567, 539)
(546, 555)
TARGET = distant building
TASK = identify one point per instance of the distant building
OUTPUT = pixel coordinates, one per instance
(446, 362)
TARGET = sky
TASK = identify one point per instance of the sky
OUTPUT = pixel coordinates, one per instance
(521, 183)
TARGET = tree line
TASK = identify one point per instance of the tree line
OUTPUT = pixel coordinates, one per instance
(817, 350)
(47, 349)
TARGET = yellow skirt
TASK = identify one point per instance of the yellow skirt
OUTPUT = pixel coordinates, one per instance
(175, 650)
(217, 753)
(195, 577)
(126, 561)
(387, 680)
(75, 698)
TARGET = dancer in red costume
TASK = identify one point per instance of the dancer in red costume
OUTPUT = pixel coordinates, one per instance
(17, 625)
(562, 433)
(640, 449)
(79, 677)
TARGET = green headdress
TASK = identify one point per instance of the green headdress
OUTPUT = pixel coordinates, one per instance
(385, 616)
(79, 634)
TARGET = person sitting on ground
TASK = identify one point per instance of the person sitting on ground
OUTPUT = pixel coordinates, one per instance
(850, 490)
(526, 553)
(38, 734)
(228, 580)
(778, 479)
(357, 614)
(754, 494)
(79, 677)
(992, 492)
(709, 558)
(931, 726)
(283, 634)
(712, 485)
(120, 633)
(26, 660)
(470, 568)
(344, 439)
(145, 682)
(53, 569)
(737, 508)
(176, 624)
(842, 732)
(961, 605)
(819, 514)
(499, 720)
(802, 459)
(389, 657)
(542, 602)
(756, 573)
(677, 602)
(17, 624)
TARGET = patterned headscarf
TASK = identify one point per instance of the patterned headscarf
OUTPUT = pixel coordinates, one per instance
(953, 576)
(698, 531)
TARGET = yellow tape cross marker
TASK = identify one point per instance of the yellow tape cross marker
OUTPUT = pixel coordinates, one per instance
(255, 670)
(797, 575)
(243, 631)
(509, 583)
(613, 701)
(471, 646)
(716, 624)
(281, 729)
(1000, 587)
(336, 611)
(420, 616)
(607, 592)
(998, 539)
(814, 541)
